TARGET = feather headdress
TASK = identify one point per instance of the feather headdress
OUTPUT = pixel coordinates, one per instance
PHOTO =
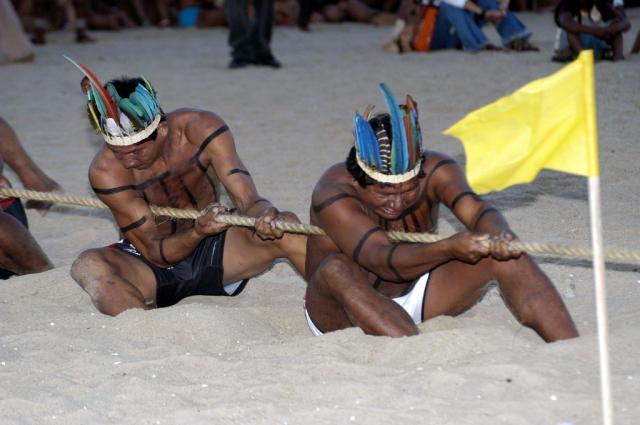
(394, 159)
(122, 121)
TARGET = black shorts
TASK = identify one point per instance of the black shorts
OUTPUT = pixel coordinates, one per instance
(200, 273)
(13, 207)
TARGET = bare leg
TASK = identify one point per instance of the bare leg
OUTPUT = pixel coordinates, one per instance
(574, 42)
(27, 170)
(338, 297)
(616, 44)
(14, 44)
(636, 45)
(246, 255)
(19, 251)
(334, 13)
(75, 22)
(114, 280)
(455, 287)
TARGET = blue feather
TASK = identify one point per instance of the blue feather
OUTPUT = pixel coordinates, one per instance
(367, 142)
(399, 151)
(360, 145)
(149, 99)
(372, 141)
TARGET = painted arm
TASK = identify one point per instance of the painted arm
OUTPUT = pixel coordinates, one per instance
(343, 217)
(27, 170)
(451, 188)
(221, 154)
(136, 222)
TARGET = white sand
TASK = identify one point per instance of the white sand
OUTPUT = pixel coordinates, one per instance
(251, 359)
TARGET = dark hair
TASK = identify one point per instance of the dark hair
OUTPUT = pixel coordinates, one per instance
(379, 121)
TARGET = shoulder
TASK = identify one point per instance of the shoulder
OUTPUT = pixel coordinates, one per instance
(106, 171)
(335, 177)
(196, 124)
(434, 160)
(336, 183)
(441, 170)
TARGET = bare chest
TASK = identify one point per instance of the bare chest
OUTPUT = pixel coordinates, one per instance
(422, 217)
(186, 184)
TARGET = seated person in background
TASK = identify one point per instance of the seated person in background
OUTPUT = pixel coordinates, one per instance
(148, 12)
(40, 16)
(357, 277)
(459, 26)
(106, 15)
(589, 24)
(19, 251)
(370, 11)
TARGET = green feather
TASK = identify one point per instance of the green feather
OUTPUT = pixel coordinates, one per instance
(133, 112)
(98, 101)
(139, 100)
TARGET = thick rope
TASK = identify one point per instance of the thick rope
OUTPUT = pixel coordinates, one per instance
(235, 220)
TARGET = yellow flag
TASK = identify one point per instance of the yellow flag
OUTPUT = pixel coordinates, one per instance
(549, 123)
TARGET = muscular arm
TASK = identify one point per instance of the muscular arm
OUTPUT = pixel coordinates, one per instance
(359, 237)
(233, 174)
(135, 220)
(20, 162)
(449, 185)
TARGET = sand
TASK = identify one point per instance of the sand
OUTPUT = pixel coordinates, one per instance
(251, 359)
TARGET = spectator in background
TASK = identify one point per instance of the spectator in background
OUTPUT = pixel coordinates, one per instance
(460, 22)
(148, 12)
(250, 39)
(14, 44)
(106, 15)
(459, 26)
(589, 24)
(205, 13)
(378, 12)
(40, 16)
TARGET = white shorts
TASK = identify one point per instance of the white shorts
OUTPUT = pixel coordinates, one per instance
(412, 302)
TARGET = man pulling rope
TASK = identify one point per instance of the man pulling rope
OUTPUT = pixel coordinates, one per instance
(178, 160)
(357, 276)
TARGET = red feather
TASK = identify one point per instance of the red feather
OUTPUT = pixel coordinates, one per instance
(110, 106)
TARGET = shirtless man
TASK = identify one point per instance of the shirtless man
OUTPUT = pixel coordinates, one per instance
(358, 277)
(178, 160)
(19, 251)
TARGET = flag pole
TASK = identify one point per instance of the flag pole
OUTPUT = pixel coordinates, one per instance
(595, 214)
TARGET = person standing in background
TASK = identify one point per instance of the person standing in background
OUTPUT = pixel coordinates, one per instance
(249, 39)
